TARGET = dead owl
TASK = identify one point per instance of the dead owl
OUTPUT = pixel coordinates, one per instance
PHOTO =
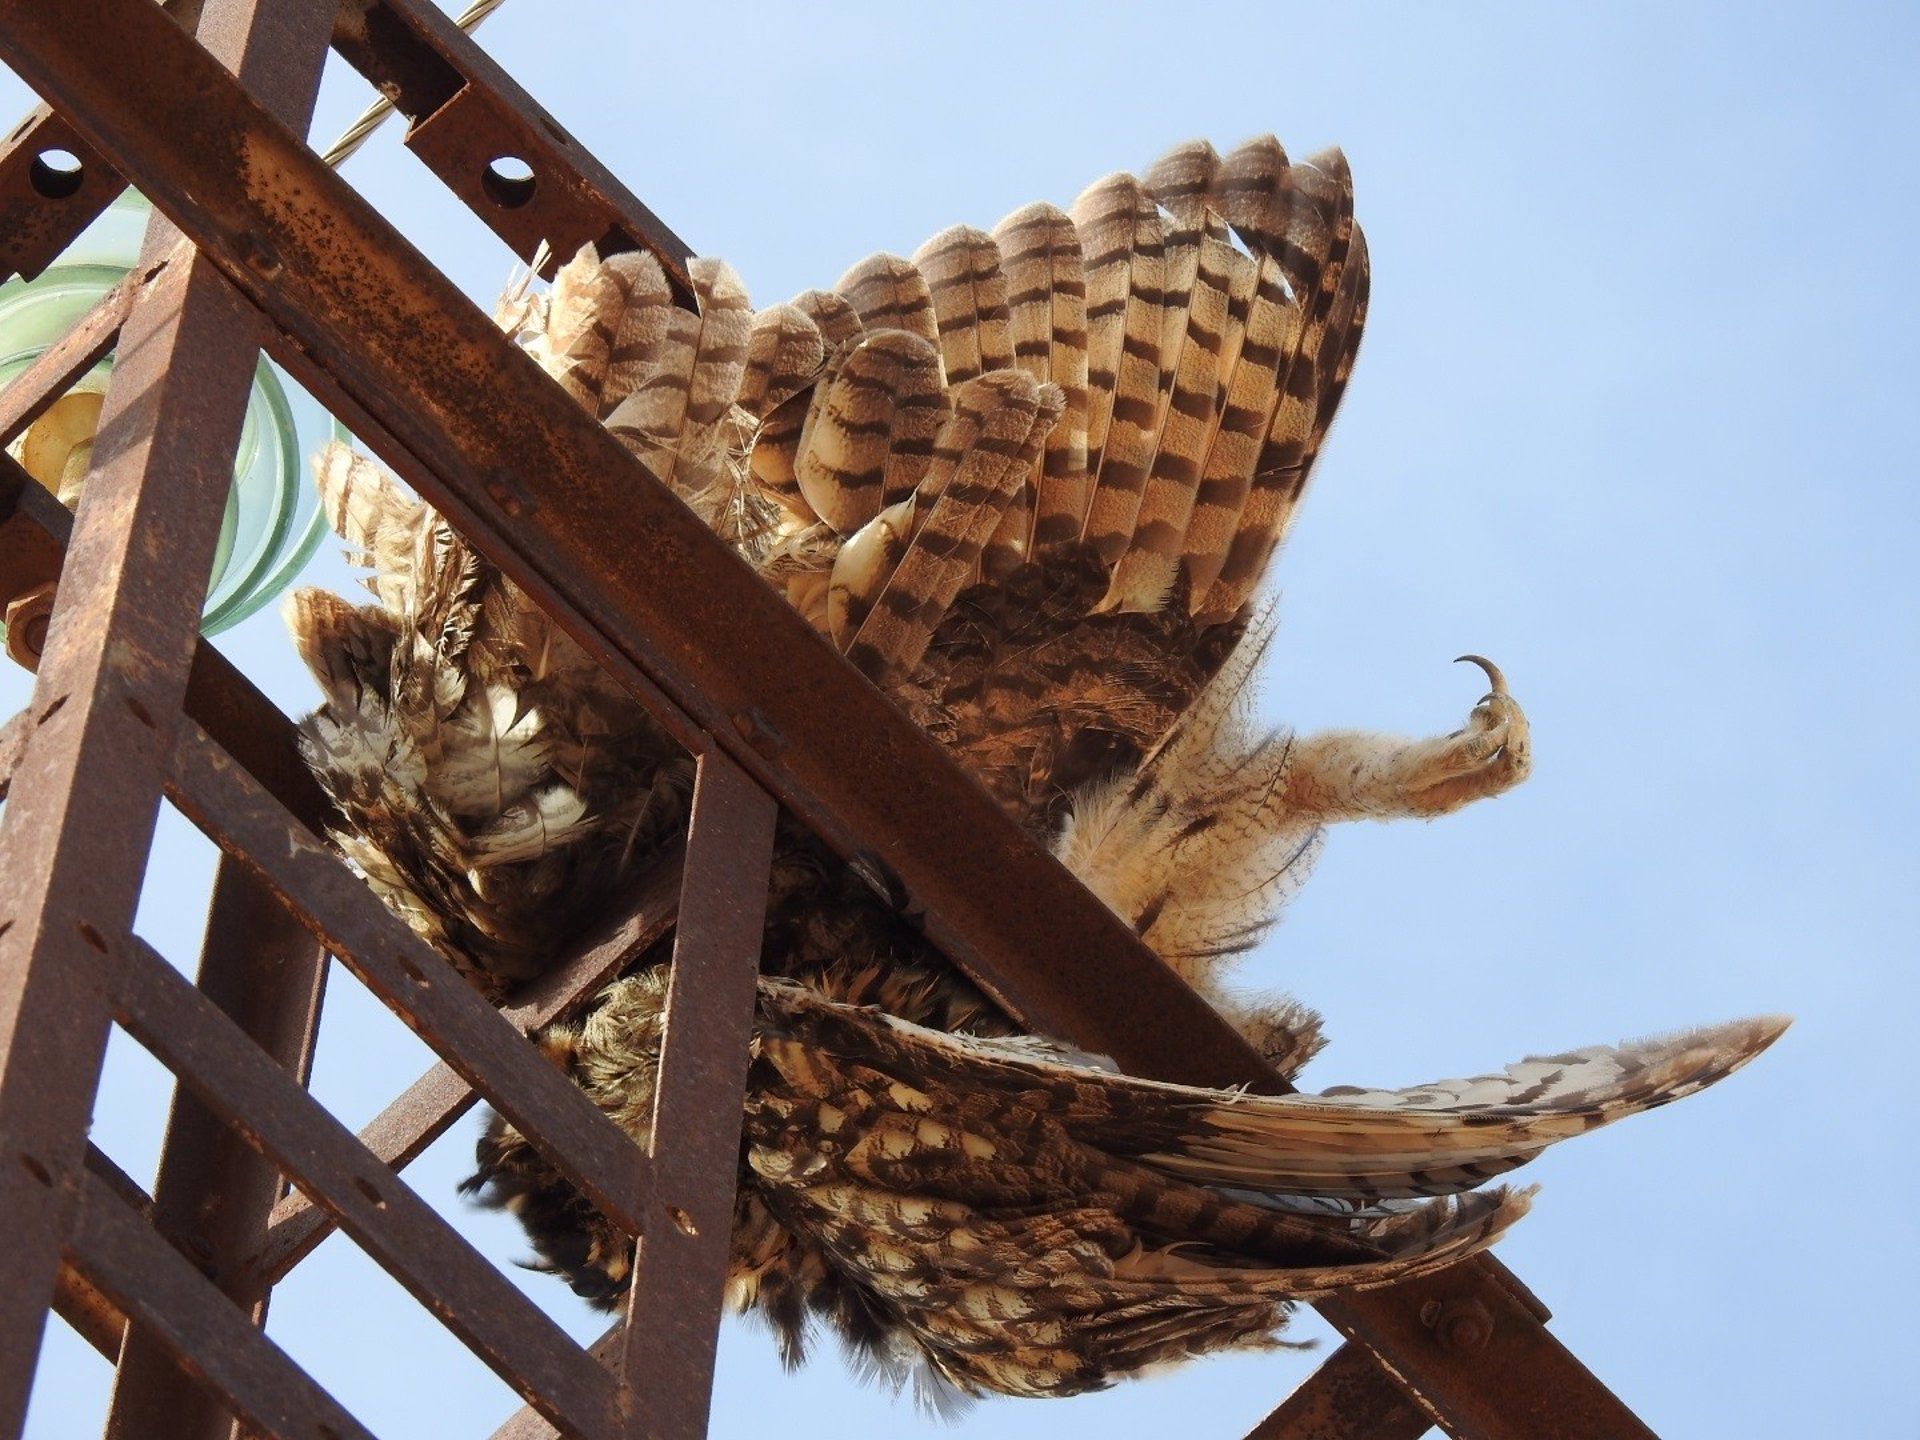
(1029, 482)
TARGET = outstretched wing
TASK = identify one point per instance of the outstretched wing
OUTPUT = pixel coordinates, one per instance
(1026, 481)
(1039, 1224)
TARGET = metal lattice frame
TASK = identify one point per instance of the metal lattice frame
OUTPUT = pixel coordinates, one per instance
(204, 111)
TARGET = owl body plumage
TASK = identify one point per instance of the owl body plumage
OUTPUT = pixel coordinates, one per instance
(1028, 482)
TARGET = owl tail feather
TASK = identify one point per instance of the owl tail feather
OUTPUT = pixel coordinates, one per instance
(1448, 1135)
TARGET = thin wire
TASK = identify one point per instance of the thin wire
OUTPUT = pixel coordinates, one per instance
(375, 115)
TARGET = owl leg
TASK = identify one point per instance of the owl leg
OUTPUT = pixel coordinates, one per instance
(1360, 775)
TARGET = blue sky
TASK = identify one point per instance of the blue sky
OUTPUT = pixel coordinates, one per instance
(1628, 419)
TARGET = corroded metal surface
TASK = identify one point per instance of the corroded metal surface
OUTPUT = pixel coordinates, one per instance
(467, 113)
(1350, 1397)
(680, 1275)
(391, 1223)
(127, 1261)
(52, 186)
(214, 1192)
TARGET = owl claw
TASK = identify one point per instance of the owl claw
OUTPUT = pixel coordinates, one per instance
(1493, 753)
(1494, 677)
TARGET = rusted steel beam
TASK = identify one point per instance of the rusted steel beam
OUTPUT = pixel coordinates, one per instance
(214, 1192)
(424, 1111)
(123, 1257)
(80, 814)
(673, 1308)
(408, 975)
(30, 558)
(1350, 1397)
(467, 112)
(1466, 1346)
(188, 1034)
(75, 1298)
(89, 1313)
(13, 744)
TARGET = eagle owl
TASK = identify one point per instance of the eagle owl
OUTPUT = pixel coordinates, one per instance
(1029, 482)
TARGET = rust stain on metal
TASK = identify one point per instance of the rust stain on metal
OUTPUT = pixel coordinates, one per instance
(1350, 1397)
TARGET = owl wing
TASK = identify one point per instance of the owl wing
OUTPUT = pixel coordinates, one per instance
(989, 1233)
(1345, 1143)
(1037, 1223)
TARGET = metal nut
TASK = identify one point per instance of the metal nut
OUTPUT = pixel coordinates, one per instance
(1462, 1325)
(27, 619)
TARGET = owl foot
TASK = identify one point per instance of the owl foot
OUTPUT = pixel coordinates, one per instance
(1490, 755)
(1357, 775)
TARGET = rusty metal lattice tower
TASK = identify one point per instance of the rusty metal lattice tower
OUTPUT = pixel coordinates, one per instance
(203, 106)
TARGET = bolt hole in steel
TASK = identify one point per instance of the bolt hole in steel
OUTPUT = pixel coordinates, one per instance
(682, 1221)
(509, 182)
(140, 712)
(92, 936)
(38, 1171)
(371, 1191)
(56, 174)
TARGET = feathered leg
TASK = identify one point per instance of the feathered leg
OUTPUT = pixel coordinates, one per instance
(1360, 775)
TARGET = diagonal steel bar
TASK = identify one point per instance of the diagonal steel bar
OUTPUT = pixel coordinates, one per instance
(81, 808)
(214, 1192)
(163, 1010)
(466, 112)
(1350, 1397)
(526, 1423)
(673, 1310)
(122, 1257)
(424, 1111)
(55, 369)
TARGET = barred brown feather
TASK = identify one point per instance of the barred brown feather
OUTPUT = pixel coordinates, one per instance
(1132, 410)
(870, 430)
(888, 293)
(1047, 301)
(962, 270)
(981, 458)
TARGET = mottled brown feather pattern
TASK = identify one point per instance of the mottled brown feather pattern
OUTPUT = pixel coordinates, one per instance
(1026, 1222)
(1028, 485)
